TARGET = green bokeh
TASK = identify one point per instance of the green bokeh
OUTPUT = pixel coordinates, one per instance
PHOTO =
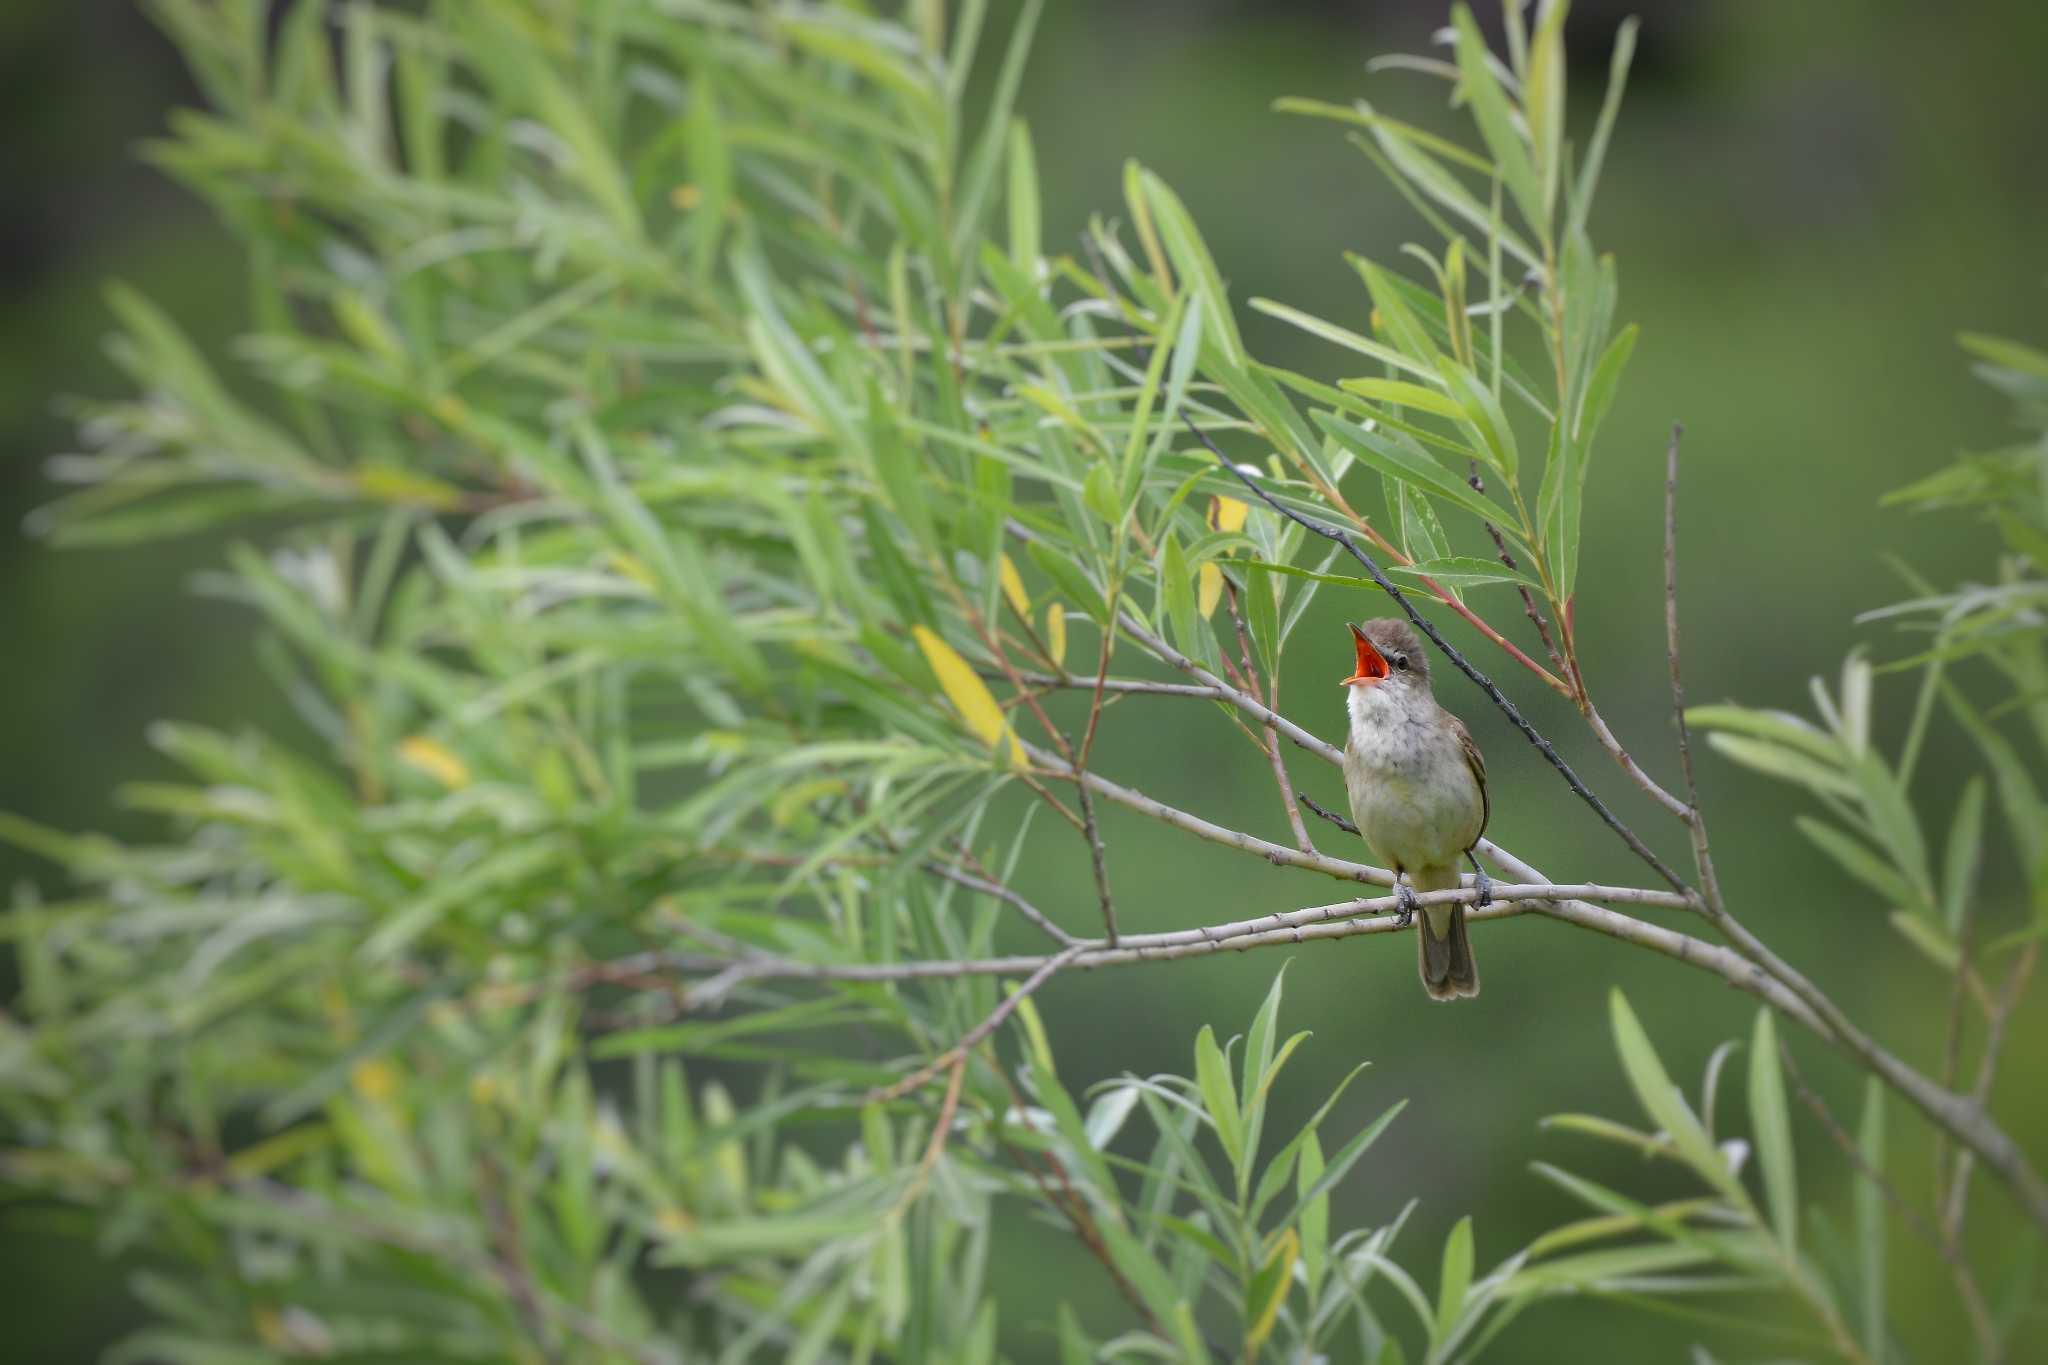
(1807, 202)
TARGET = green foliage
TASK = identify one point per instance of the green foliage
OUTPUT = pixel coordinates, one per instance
(666, 447)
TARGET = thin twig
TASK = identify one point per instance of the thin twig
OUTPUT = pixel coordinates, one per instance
(1463, 665)
(1339, 821)
(1270, 740)
(1980, 1092)
(1702, 853)
(991, 887)
(958, 1052)
(1507, 557)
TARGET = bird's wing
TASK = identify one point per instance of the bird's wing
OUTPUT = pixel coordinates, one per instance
(1477, 763)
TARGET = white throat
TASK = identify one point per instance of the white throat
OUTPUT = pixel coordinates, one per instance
(1376, 706)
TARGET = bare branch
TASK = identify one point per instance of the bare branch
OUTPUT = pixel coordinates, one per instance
(955, 1055)
(991, 887)
(1339, 821)
(1702, 854)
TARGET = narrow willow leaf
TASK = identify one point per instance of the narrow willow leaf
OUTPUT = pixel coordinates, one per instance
(1025, 214)
(1497, 124)
(1056, 632)
(1191, 258)
(1870, 1223)
(1073, 584)
(1175, 584)
(1664, 1104)
(1400, 393)
(1258, 1061)
(1964, 857)
(1268, 1290)
(1409, 464)
(1210, 589)
(436, 760)
(1212, 1075)
(1771, 1124)
(1314, 1215)
(968, 693)
(1013, 587)
(1454, 1282)
(1858, 860)
(1465, 571)
(1227, 514)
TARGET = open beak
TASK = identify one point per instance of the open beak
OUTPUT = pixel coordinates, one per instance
(1371, 667)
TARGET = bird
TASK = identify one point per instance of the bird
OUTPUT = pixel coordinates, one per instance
(1417, 786)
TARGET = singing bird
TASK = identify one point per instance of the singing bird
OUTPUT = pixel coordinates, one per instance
(1418, 794)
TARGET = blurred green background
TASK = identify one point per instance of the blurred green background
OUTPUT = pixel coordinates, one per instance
(1807, 201)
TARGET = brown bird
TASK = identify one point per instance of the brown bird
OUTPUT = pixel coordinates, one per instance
(1418, 794)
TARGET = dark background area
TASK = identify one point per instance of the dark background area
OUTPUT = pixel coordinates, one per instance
(1807, 202)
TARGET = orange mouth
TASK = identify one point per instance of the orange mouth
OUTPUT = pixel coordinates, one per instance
(1371, 667)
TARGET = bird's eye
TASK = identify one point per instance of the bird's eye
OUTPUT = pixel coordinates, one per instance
(1401, 662)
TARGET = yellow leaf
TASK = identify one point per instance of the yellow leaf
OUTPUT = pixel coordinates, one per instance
(1227, 514)
(435, 760)
(632, 567)
(1013, 588)
(1209, 590)
(968, 693)
(385, 483)
(686, 197)
(375, 1080)
(1056, 633)
(1278, 1273)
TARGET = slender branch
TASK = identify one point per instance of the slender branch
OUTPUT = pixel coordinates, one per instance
(1339, 821)
(955, 1055)
(1463, 665)
(1980, 1091)
(1507, 557)
(991, 887)
(1702, 854)
(1270, 740)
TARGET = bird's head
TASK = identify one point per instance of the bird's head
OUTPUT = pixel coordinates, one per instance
(1389, 655)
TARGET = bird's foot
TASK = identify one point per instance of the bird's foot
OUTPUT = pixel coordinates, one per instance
(1483, 883)
(1405, 915)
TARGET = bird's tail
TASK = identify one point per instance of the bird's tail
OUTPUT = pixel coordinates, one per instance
(1445, 953)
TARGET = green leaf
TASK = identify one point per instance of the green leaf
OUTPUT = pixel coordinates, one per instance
(1490, 109)
(1212, 1076)
(1857, 859)
(1025, 214)
(1775, 760)
(1197, 268)
(1664, 1104)
(1870, 1222)
(1268, 1291)
(1454, 1282)
(1405, 461)
(1465, 571)
(1772, 1125)
(1399, 393)
(1258, 1060)
(1964, 857)
(1177, 585)
(1340, 1166)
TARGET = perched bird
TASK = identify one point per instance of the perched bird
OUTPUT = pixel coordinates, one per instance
(1418, 793)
